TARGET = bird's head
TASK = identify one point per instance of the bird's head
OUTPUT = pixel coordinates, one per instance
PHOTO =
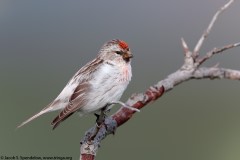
(116, 50)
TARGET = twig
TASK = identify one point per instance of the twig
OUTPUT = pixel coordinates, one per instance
(216, 51)
(186, 50)
(207, 31)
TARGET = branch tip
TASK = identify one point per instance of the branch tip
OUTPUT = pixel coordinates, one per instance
(209, 28)
(184, 45)
(216, 51)
(186, 50)
(236, 44)
(216, 65)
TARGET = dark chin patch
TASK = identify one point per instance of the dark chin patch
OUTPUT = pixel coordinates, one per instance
(126, 59)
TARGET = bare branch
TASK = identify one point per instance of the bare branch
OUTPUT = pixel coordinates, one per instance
(89, 148)
(215, 72)
(189, 70)
(216, 51)
(186, 50)
(207, 31)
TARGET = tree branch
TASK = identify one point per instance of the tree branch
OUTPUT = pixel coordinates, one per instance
(209, 28)
(216, 51)
(189, 70)
(216, 73)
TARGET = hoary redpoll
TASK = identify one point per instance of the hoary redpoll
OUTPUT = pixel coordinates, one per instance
(96, 86)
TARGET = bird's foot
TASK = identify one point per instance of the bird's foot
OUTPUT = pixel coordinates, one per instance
(124, 105)
(99, 121)
(101, 117)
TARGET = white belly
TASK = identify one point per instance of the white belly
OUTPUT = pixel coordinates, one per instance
(108, 85)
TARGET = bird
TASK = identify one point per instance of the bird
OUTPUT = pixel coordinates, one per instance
(95, 87)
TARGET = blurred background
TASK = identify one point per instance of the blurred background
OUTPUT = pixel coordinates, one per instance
(43, 43)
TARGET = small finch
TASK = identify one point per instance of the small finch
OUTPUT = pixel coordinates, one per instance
(96, 86)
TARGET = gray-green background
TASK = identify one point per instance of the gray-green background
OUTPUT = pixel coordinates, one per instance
(43, 43)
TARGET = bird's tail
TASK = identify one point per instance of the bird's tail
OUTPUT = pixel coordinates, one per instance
(45, 110)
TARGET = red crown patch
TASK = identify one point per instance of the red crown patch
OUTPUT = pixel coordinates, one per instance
(123, 44)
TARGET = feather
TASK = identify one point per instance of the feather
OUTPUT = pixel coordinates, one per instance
(78, 98)
(77, 101)
(45, 110)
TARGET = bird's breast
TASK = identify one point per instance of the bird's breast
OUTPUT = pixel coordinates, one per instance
(126, 73)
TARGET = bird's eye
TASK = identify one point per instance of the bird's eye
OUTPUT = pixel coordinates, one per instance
(119, 52)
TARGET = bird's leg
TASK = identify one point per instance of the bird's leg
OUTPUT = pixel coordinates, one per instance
(103, 114)
(100, 120)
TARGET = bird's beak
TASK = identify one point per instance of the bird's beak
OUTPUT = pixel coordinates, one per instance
(127, 56)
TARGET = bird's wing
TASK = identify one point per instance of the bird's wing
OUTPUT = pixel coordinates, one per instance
(77, 100)
(78, 97)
